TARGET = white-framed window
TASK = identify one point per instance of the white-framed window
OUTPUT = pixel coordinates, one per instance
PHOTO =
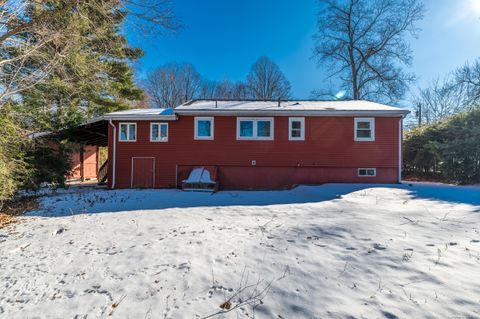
(367, 172)
(128, 132)
(158, 132)
(296, 128)
(203, 128)
(259, 128)
(364, 129)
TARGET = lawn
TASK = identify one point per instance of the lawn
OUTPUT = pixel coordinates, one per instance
(336, 251)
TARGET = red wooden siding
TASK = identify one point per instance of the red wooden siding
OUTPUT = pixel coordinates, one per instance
(328, 154)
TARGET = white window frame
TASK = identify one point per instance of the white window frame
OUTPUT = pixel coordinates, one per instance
(366, 169)
(212, 130)
(255, 129)
(128, 131)
(371, 120)
(159, 130)
(302, 128)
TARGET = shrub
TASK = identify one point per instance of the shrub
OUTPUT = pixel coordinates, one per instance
(448, 150)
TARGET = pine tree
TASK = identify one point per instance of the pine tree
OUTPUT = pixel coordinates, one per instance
(93, 76)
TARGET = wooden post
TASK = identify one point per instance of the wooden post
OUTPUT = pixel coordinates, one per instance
(82, 163)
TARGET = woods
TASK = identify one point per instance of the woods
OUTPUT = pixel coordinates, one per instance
(62, 62)
(173, 84)
(446, 151)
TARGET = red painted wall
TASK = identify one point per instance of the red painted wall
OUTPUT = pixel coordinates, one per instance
(90, 163)
(328, 154)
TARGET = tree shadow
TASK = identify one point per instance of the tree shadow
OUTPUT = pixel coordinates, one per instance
(91, 200)
(469, 195)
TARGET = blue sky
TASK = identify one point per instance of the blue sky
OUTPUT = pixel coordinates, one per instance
(223, 39)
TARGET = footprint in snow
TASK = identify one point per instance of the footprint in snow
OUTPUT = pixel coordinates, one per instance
(59, 231)
(379, 247)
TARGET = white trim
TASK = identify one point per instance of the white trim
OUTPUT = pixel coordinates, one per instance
(255, 120)
(114, 153)
(374, 172)
(302, 128)
(132, 117)
(128, 131)
(400, 155)
(159, 132)
(212, 129)
(131, 172)
(371, 120)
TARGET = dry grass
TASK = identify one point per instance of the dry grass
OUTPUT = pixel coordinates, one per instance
(10, 210)
(20, 206)
(6, 220)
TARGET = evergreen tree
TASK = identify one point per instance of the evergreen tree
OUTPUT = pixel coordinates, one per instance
(94, 76)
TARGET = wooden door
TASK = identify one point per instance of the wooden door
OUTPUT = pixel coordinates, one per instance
(143, 172)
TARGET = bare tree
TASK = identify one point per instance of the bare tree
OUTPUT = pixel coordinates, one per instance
(442, 99)
(224, 90)
(207, 89)
(173, 84)
(190, 81)
(267, 82)
(363, 43)
(467, 80)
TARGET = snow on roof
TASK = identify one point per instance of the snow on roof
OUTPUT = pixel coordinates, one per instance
(253, 107)
(140, 113)
(288, 106)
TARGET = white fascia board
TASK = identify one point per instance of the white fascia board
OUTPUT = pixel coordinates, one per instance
(140, 117)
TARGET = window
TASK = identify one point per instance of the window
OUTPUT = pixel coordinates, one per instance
(159, 132)
(296, 128)
(254, 128)
(364, 129)
(128, 132)
(367, 172)
(204, 128)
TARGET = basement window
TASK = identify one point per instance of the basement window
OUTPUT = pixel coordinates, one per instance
(364, 129)
(367, 172)
(204, 128)
(254, 128)
(296, 128)
(128, 132)
(159, 132)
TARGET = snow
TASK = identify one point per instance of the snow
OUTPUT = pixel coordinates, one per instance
(199, 175)
(293, 105)
(336, 251)
(167, 114)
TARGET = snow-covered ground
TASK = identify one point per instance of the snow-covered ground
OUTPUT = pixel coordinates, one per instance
(332, 251)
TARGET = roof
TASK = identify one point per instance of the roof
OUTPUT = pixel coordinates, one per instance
(255, 107)
(94, 132)
(165, 114)
(307, 107)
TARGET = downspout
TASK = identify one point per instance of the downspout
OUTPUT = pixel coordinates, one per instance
(400, 155)
(114, 151)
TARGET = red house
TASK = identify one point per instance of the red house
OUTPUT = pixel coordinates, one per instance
(255, 144)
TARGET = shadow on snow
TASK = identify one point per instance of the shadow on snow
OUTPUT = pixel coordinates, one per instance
(87, 200)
